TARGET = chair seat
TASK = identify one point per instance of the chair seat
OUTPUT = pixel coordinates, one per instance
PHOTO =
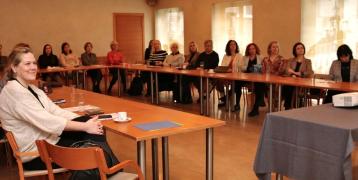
(123, 176)
(30, 173)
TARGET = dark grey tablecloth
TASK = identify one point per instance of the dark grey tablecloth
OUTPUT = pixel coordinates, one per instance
(308, 143)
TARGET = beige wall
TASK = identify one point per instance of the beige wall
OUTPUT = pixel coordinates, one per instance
(272, 20)
(38, 22)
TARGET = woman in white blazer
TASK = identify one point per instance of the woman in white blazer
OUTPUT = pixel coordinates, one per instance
(232, 59)
(30, 115)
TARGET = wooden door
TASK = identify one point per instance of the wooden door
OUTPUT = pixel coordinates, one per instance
(128, 32)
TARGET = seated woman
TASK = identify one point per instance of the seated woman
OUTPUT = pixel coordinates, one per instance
(30, 115)
(344, 69)
(115, 57)
(166, 81)
(272, 64)
(67, 58)
(298, 66)
(232, 59)
(156, 57)
(48, 59)
(88, 58)
(251, 63)
(191, 59)
(175, 59)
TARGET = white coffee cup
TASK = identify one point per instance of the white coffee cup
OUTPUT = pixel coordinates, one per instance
(121, 116)
(211, 71)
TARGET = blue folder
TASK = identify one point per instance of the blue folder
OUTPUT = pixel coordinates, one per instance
(157, 125)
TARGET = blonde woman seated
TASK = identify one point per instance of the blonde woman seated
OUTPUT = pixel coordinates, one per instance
(30, 115)
(274, 64)
(298, 66)
(232, 59)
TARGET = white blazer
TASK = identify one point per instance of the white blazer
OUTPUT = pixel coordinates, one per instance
(23, 115)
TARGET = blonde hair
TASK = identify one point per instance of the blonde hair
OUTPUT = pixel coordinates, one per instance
(15, 58)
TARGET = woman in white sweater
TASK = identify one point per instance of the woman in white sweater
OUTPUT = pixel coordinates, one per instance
(232, 59)
(30, 115)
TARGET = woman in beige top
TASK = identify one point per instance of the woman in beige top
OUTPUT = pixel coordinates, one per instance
(67, 58)
(30, 115)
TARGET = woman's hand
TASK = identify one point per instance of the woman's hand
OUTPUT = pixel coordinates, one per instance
(94, 126)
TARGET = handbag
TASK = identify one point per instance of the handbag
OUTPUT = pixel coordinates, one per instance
(93, 174)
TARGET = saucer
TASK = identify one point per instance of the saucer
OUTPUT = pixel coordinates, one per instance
(121, 121)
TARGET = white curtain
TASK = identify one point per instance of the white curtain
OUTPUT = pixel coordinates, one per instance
(327, 24)
(231, 20)
(169, 27)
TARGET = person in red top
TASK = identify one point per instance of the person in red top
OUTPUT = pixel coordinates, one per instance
(115, 57)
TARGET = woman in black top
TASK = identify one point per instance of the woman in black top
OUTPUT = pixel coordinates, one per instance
(298, 66)
(48, 59)
(344, 69)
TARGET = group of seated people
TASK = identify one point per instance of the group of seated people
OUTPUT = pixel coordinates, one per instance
(68, 59)
(343, 69)
(30, 115)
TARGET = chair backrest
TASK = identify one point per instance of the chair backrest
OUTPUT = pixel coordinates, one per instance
(11, 139)
(321, 76)
(72, 158)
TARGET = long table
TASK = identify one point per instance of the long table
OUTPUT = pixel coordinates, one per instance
(143, 113)
(204, 76)
(308, 143)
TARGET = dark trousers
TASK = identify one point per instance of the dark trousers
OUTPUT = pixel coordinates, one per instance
(238, 87)
(186, 88)
(114, 73)
(67, 138)
(331, 93)
(259, 91)
(287, 93)
(146, 79)
(96, 77)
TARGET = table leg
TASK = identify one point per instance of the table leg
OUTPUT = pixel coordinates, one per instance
(233, 95)
(227, 105)
(106, 74)
(165, 156)
(155, 159)
(119, 82)
(156, 88)
(270, 98)
(151, 87)
(279, 98)
(141, 156)
(201, 96)
(207, 96)
(209, 153)
(84, 80)
(180, 88)
(279, 176)
(77, 84)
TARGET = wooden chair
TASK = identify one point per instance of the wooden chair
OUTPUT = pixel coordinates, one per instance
(313, 93)
(7, 147)
(17, 154)
(83, 159)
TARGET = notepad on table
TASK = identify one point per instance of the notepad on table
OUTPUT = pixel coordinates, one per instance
(157, 125)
